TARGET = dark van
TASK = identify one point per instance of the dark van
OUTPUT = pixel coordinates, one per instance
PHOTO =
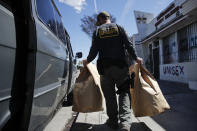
(37, 64)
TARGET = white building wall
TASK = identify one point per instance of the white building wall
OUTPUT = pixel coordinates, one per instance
(180, 72)
(142, 21)
(151, 27)
(137, 45)
(139, 51)
(179, 2)
(188, 6)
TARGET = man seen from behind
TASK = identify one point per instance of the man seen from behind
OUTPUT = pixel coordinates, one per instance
(109, 41)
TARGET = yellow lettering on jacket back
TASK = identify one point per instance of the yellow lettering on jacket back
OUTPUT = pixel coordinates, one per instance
(108, 32)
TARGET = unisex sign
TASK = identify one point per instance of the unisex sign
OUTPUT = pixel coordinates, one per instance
(180, 72)
(174, 70)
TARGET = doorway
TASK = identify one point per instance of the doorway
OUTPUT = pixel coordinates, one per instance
(156, 60)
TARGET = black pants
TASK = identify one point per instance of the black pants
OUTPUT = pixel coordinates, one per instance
(113, 76)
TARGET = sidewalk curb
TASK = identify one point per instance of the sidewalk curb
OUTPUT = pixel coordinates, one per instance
(62, 121)
(150, 123)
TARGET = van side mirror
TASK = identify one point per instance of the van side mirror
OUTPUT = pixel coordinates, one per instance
(78, 55)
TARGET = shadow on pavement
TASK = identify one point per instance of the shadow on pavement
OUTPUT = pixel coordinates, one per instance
(141, 126)
(182, 115)
(91, 127)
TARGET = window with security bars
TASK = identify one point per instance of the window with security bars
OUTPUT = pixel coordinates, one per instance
(187, 38)
(170, 52)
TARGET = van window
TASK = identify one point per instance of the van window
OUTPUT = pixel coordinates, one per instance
(60, 27)
(46, 13)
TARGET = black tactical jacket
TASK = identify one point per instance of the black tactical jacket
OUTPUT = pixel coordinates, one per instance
(110, 42)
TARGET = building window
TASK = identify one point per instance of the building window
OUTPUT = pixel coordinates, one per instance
(170, 49)
(187, 38)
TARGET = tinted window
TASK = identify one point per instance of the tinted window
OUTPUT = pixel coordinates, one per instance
(60, 27)
(70, 48)
(45, 12)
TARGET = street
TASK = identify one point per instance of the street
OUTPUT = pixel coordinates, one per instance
(182, 115)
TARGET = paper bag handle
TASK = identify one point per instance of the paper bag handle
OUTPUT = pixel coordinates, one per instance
(143, 69)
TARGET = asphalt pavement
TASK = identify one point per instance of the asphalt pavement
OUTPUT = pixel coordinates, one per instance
(181, 117)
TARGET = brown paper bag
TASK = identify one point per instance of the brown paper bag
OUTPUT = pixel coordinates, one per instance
(147, 98)
(87, 95)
